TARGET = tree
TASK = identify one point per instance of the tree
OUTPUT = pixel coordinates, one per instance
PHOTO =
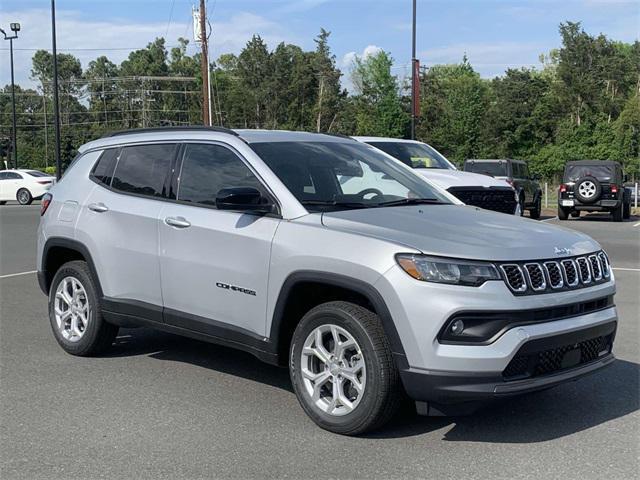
(379, 109)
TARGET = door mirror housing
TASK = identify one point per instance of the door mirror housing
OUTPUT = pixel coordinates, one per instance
(244, 199)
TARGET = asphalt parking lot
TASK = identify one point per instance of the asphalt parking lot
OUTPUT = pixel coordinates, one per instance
(160, 406)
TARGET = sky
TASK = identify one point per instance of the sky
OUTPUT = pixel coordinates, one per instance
(494, 34)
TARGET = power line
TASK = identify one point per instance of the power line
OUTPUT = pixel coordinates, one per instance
(173, 2)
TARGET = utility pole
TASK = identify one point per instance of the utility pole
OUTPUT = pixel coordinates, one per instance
(56, 103)
(415, 77)
(204, 64)
(15, 28)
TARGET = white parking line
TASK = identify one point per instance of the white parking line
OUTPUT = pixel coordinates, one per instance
(18, 274)
(637, 224)
(627, 269)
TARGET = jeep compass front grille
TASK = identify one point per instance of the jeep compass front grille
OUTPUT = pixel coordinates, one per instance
(527, 278)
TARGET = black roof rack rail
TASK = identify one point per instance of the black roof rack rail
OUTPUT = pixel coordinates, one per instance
(170, 129)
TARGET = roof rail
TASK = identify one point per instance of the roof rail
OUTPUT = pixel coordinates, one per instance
(170, 129)
(339, 135)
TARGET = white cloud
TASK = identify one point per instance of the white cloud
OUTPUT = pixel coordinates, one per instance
(87, 38)
(348, 58)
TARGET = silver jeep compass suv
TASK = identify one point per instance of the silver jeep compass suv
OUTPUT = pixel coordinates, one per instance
(262, 241)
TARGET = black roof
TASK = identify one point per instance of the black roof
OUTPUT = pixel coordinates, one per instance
(609, 163)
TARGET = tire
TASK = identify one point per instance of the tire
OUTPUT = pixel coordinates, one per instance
(563, 213)
(3, 202)
(618, 213)
(626, 211)
(24, 197)
(575, 214)
(521, 202)
(587, 189)
(96, 335)
(535, 211)
(381, 392)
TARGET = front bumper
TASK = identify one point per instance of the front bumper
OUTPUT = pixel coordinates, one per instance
(450, 388)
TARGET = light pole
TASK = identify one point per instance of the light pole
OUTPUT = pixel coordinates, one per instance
(56, 102)
(15, 28)
(415, 78)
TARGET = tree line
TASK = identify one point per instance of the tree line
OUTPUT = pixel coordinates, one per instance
(582, 103)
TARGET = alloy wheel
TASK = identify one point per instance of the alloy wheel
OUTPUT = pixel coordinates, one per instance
(71, 306)
(587, 189)
(333, 370)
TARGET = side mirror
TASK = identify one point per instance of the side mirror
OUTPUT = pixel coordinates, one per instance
(244, 199)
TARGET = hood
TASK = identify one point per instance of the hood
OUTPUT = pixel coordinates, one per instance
(456, 178)
(461, 231)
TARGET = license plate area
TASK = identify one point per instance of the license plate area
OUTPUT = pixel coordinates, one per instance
(567, 203)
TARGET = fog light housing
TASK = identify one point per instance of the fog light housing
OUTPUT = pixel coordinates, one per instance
(457, 327)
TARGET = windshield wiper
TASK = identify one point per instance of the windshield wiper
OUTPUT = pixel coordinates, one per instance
(335, 203)
(411, 201)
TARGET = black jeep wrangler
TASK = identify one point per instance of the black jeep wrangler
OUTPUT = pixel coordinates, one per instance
(593, 186)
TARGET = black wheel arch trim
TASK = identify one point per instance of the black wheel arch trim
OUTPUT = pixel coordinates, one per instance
(71, 245)
(342, 281)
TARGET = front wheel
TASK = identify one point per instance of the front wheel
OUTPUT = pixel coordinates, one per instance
(342, 369)
(24, 197)
(74, 312)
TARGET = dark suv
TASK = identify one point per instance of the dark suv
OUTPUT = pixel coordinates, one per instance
(593, 186)
(516, 173)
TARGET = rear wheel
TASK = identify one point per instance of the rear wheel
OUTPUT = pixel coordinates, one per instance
(535, 211)
(342, 369)
(74, 312)
(24, 197)
(626, 212)
(563, 213)
(3, 202)
(618, 214)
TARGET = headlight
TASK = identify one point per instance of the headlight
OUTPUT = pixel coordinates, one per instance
(447, 270)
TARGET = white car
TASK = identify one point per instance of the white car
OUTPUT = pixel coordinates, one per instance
(24, 186)
(471, 188)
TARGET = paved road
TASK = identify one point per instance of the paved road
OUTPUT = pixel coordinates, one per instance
(161, 406)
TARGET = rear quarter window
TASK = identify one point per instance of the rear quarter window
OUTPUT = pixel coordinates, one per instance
(143, 169)
(103, 169)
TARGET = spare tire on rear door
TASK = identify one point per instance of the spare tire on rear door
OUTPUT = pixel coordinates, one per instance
(587, 189)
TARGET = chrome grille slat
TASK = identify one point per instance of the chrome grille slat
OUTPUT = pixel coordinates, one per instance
(570, 270)
(584, 270)
(604, 262)
(514, 276)
(535, 276)
(596, 268)
(554, 274)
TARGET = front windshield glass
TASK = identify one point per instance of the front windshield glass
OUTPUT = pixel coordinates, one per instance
(341, 175)
(493, 169)
(416, 155)
(604, 173)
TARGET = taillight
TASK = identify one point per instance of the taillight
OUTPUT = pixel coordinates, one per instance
(614, 188)
(45, 202)
(44, 182)
(563, 188)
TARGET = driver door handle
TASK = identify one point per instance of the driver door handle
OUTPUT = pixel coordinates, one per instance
(178, 222)
(98, 207)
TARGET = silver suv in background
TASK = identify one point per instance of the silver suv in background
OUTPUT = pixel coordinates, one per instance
(366, 292)
(470, 188)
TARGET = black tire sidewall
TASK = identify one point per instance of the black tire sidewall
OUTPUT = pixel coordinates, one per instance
(596, 196)
(374, 381)
(79, 270)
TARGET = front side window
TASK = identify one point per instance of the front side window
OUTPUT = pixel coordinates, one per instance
(207, 169)
(143, 169)
(341, 175)
(415, 155)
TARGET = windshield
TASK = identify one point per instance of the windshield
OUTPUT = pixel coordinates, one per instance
(416, 155)
(36, 173)
(494, 169)
(604, 173)
(341, 175)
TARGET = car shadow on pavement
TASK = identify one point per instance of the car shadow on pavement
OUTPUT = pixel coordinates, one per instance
(169, 347)
(607, 395)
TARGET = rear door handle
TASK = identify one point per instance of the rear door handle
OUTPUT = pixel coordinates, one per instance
(98, 207)
(178, 222)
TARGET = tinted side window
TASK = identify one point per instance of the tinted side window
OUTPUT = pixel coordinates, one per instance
(143, 169)
(516, 170)
(14, 176)
(3, 176)
(524, 171)
(104, 167)
(206, 169)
